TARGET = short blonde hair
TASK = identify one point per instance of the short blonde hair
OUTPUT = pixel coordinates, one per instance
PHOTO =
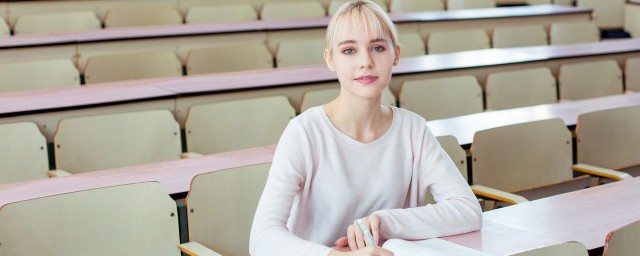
(361, 15)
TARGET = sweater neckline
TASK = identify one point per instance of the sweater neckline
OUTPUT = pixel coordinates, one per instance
(355, 143)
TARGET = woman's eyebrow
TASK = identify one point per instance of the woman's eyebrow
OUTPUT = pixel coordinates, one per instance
(377, 40)
(354, 41)
(347, 42)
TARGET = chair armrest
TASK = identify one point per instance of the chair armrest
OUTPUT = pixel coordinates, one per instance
(602, 172)
(498, 195)
(194, 249)
(190, 155)
(58, 173)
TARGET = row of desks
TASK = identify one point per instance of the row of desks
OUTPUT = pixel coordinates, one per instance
(541, 14)
(585, 216)
(46, 107)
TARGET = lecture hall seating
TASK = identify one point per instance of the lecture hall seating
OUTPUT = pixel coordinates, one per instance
(623, 241)
(217, 13)
(520, 88)
(58, 22)
(24, 153)
(38, 74)
(590, 79)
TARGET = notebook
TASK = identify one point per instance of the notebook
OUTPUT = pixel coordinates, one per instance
(430, 247)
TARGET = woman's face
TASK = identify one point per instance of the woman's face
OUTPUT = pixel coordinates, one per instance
(363, 62)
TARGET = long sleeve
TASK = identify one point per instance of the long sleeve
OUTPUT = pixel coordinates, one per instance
(456, 211)
(287, 177)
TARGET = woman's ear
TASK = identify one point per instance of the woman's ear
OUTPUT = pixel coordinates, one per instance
(329, 59)
(396, 58)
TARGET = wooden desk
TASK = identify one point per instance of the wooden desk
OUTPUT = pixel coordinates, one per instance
(585, 216)
(487, 18)
(176, 175)
(464, 127)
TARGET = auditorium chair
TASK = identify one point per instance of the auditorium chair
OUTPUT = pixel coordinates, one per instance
(623, 241)
(23, 153)
(58, 22)
(520, 36)
(470, 4)
(589, 80)
(520, 88)
(220, 13)
(457, 40)
(227, 58)
(38, 74)
(292, 10)
(301, 52)
(574, 33)
(130, 66)
(142, 16)
(402, 6)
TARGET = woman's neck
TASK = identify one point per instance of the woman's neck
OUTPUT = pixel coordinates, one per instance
(364, 120)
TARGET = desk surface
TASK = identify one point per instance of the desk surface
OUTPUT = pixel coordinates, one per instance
(464, 127)
(585, 216)
(276, 25)
(175, 176)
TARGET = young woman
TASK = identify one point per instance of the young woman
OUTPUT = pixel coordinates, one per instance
(355, 158)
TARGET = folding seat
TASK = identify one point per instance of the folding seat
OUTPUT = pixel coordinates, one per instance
(292, 10)
(89, 143)
(623, 241)
(590, 80)
(131, 66)
(38, 74)
(520, 88)
(237, 124)
(335, 4)
(526, 161)
(437, 98)
(526, 35)
(301, 53)
(58, 22)
(632, 76)
(142, 16)
(470, 4)
(608, 140)
(400, 6)
(565, 249)
(221, 205)
(606, 14)
(411, 45)
(456, 41)
(321, 97)
(221, 13)
(23, 153)
(227, 58)
(574, 33)
(131, 219)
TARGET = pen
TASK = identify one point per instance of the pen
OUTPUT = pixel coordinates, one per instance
(365, 230)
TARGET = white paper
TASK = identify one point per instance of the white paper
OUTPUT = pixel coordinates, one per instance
(430, 247)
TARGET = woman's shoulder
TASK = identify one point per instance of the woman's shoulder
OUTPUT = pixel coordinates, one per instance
(410, 117)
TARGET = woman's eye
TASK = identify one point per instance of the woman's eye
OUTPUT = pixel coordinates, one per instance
(378, 48)
(348, 51)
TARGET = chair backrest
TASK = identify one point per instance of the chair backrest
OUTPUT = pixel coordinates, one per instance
(142, 16)
(437, 98)
(400, 6)
(221, 206)
(227, 58)
(606, 14)
(131, 66)
(58, 22)
(221, 13)
(237, 124)
(411, 44)
(632, 76)
(574, 33)
(284, 10)
(520, 88)
(300, 53)
(563, 2)
(632, 20)
(23, 153)
(38, 74)
(589, 80)
(609, 138)
(564, 249)
(320, 97)
(335, 4)
(459, 157)
(521, 156)
(456, 41)
(539, 2)
(470, 4)
(114, 140)
(133, 219)
(519, 36)
(4, 29)
(623, 241)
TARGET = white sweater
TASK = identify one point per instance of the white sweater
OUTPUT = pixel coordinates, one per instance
(322, 180)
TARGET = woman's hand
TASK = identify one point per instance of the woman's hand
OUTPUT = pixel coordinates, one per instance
(367, 251)
(355, 238)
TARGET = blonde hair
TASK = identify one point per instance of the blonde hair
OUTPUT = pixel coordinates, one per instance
(361, 15)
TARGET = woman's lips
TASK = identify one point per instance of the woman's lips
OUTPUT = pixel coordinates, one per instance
(366, 79)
